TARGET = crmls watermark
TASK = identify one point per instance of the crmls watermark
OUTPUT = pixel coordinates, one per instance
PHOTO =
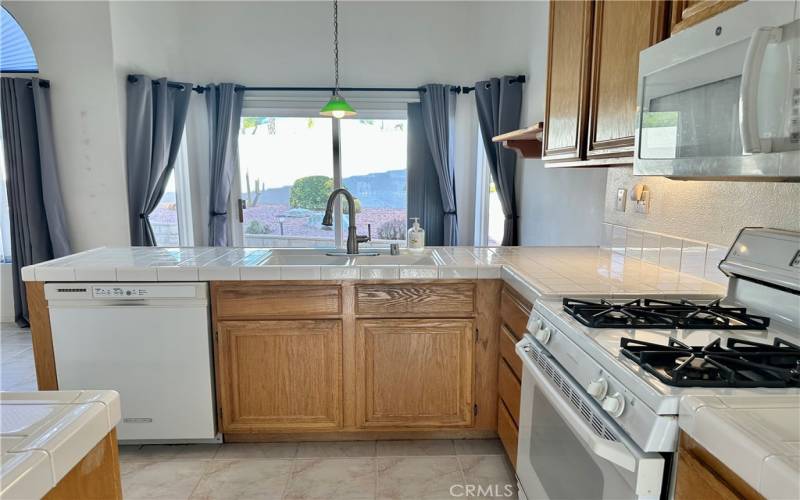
(479, 490)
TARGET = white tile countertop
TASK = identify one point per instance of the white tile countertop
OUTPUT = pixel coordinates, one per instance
(757, 437)
(533, 271)
(44, 434)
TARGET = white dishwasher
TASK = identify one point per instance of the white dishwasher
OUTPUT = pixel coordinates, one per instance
(151, 343)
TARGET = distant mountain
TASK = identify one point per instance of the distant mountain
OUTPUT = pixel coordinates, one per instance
(379, 190)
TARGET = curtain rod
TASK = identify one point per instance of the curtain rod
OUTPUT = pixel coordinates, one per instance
(455, 89)
(42, 83)
(516, 79)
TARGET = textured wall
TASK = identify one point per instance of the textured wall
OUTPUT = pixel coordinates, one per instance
(711, 211)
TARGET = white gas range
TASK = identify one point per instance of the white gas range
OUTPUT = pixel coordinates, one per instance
(603, 379)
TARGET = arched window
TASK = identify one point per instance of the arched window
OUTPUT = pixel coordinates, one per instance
(16, 53)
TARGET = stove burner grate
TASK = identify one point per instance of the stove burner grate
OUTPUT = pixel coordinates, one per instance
(661, 314)
(740, 363)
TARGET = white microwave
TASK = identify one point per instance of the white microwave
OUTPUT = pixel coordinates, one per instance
(722, 99)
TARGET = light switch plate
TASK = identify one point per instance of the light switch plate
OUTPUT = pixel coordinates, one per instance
(622, 197)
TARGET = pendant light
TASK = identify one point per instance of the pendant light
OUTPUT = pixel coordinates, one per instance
(337, 107)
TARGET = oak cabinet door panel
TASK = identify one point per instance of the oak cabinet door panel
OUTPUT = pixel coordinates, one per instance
(568, 53)
(278, 375)
(414, 373)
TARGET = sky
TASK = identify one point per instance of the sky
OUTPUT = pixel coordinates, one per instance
(298, 150)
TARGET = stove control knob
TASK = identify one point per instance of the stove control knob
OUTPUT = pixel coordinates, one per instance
(537, 325)
(614, 404)
(598, 389)
(543, 335)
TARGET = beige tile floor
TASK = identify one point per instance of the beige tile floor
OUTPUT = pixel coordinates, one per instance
(414, 469)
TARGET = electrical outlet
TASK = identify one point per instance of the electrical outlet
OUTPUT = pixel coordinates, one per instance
(622, 197)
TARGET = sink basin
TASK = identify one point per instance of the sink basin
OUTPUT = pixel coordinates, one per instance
(406, 258)
(305, 257)
(319, 257)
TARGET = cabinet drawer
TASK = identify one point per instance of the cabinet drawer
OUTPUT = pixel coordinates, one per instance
(507, 432)
(514, 313)
(508, 387)
(445, 299)
(256, 300)
(507, 352)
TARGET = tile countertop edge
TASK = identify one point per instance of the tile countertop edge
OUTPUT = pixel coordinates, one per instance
(534, 272)
(733, 436)
(57, 442)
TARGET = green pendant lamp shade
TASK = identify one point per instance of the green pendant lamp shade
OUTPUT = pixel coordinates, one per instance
(337, 107)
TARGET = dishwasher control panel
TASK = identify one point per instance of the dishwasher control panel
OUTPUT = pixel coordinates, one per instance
(125, 291)
(120, 292)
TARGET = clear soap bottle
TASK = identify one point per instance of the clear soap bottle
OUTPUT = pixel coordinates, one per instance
(416, 236)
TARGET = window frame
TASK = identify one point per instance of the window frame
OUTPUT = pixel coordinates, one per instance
(303, 105)
(482, 179)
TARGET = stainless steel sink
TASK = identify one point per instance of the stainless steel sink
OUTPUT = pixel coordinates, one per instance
(405, 258)
(305, 257)
(321, 257)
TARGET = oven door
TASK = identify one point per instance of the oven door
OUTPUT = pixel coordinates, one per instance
(569, 448)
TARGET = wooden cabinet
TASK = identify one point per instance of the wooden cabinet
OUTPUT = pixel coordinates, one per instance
(568, 51)
(621, 31)
(514, 312)
(593, 64)
(344, 360)
(686, 13)
(414, 372)
(280, 374)
(701, 474)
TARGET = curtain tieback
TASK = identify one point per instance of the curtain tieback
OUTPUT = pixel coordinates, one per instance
(142, 216)
(508, 217)
(450, 212)
(216, 214)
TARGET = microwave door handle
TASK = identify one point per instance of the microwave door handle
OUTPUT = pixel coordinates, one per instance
(615, 452)
(748, 90)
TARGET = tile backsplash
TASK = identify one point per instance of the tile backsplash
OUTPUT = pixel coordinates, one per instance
(696, 258)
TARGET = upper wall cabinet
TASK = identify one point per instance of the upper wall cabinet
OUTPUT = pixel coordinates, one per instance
(593, 63)
(621, 31)
(568, 50)
(685, 13)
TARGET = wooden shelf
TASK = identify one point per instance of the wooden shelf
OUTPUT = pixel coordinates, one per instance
(528, 141)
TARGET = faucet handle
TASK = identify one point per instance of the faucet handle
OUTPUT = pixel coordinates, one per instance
(368, 237)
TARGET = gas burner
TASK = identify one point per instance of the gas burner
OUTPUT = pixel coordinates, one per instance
(653, 313)
(740, 363)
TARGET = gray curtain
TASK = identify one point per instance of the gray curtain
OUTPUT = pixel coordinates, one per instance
(156, 116)
(438, 113)
(224, 105)
(424, 196)
(499, 102)
(38, 222)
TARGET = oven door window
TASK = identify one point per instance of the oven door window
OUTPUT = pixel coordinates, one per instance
(562, 464)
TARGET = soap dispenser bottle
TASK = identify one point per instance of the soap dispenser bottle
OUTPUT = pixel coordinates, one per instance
(416, 236)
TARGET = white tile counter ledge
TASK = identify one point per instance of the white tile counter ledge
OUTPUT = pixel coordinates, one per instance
(44, 434)
(758, 438)
(533, 271)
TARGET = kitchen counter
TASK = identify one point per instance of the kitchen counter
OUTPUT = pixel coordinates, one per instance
(757, 437)
(532, 271)
(43, 435)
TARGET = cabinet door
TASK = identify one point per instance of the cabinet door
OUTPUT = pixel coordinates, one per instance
(687, 13)
(568, 53)
(277, 375)
(621, 31)
(414, 373)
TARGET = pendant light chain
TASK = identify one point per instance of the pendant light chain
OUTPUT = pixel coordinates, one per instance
(336, 44)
